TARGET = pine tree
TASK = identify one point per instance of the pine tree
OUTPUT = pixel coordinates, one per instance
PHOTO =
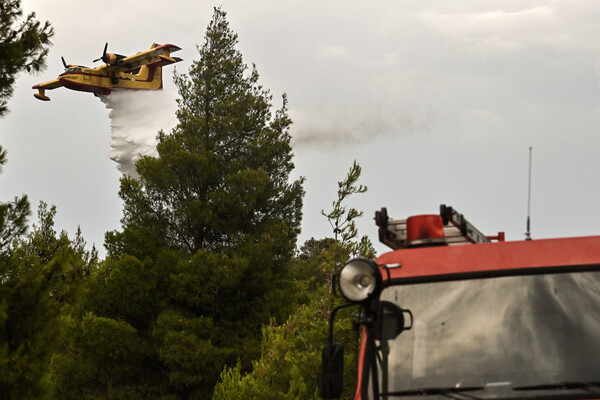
(24, 45)
(219, 191)
(343, 220)
(291, 352)
(208, 233)
(13, 216)
(40, 281)
(223, 173)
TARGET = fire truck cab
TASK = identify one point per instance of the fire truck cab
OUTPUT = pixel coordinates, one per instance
(452, 313)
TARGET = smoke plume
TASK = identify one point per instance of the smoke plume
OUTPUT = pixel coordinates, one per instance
(136, 117)
(349, 124)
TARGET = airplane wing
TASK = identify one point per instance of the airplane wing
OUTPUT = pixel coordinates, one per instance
(156, 53)
(41, 87)
(161, 62)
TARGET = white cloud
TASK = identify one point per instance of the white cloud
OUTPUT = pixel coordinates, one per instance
(496, 33)
(480, 123)
(331, 51)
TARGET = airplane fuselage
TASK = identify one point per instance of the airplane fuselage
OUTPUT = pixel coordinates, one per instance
(91, 80)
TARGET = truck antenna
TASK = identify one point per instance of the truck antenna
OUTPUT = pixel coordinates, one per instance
(528, 233)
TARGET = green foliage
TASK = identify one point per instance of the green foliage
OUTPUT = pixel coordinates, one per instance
(111, 343)
(40, 281)
(99, 341)
(110, 352)
(290, 360)
(342, 219)
(13, 222)
(124, 288)
(13, 217)
(190, 351)
(24, 45)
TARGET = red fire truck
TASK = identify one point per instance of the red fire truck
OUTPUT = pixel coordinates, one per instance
(453, 313)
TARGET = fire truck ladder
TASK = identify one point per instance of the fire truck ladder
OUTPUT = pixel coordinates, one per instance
(457, 230)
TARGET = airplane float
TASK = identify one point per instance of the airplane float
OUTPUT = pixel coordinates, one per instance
(142, 71)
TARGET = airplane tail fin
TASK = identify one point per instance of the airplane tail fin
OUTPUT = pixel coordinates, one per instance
(152, 74)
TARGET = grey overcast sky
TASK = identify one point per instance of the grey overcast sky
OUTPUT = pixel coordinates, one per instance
(438, 101)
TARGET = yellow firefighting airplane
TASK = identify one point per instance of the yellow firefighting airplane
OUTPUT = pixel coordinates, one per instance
(142, 71)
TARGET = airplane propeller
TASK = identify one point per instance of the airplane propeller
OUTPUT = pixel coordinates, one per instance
(64, 62)
(104, 57)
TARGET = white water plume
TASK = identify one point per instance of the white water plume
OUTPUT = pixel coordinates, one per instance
(136, 117)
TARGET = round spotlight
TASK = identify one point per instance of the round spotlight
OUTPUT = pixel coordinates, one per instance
(359, 280)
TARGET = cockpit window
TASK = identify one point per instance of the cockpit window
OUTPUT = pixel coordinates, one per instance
(71, 70)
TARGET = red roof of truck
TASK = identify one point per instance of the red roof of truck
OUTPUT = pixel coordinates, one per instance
(491, 258)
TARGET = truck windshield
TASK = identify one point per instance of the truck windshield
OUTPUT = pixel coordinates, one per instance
(509, 337)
